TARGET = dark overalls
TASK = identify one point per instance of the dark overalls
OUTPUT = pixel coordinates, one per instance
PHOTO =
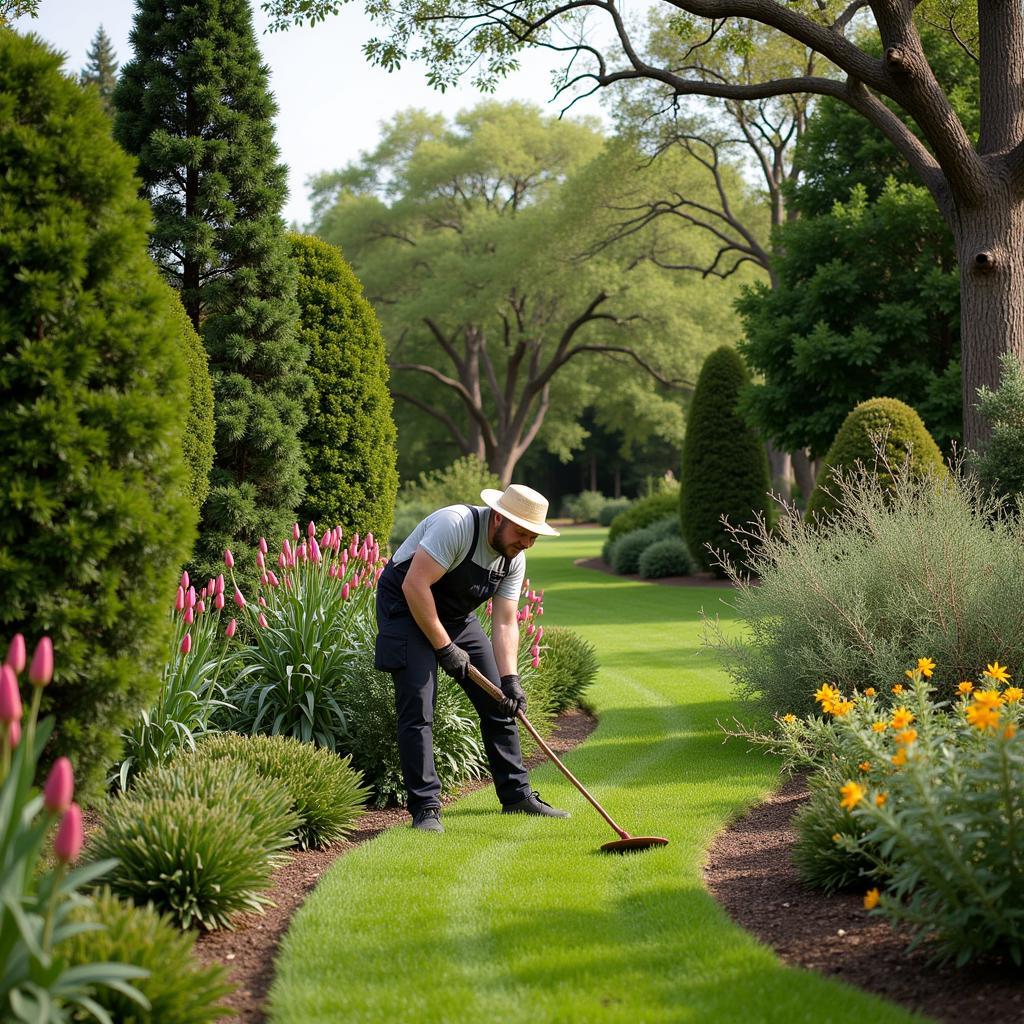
(403, 650)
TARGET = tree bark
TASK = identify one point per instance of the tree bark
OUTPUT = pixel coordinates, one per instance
(804, 473)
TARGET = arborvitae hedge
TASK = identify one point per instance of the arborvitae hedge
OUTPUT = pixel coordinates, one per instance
(725, 468)
(95, 519)
(904, 432)
(349, 437)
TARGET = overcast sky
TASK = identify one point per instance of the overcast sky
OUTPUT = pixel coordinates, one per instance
(331, 101)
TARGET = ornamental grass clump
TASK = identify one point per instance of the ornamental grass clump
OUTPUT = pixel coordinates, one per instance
(324, 791)
(917, 562)
(569, 665)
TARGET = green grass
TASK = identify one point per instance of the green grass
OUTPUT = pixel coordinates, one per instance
(509, 919)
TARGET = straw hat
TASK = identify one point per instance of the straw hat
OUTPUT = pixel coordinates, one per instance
(523, 505)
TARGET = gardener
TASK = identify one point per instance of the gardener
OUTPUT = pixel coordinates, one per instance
(455, 560)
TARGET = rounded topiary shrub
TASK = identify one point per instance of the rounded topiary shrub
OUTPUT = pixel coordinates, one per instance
(568, 664)
(668, 557)
(94, 498)
(611, 508)
(644, 512)
(879, 433)
(349, 436)
(725, 468)
(626, 552)
(179, 988)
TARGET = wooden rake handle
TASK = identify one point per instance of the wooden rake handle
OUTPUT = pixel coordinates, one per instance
(491, 690)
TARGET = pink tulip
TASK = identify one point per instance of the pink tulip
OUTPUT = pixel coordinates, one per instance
(259, 560)
(229, 559)
(186, 643)
(326, 540)
(190, 597)
(16, 653)
(540, 633)
(345, 591)
(14, 734)
(218, 602)
(311, 529)
(273, 579)
(377, 574)
(296, 532)
(314, 551)
(369, 538)
(536, 661)
(40, 672)
(239, 599)
(190, 616)
(262, 620)
(68, 843)
(211, 587)
(352, 548)
(220, 584)
(301, 553)
(60, 786)
(286, 548)
(232, 626)
(263, 545)
(262, 601)
(535, 650)
(355, 538)
(355, 580)
(288, 582)
(184, 581)
(490, 607)
(10, 697)
(344, 557)
(200, 607)
(529, 629)
(282, 562)
(179, 601)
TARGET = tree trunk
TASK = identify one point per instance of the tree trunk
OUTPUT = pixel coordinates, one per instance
(991, 255)
(803, 472)
(782, 470)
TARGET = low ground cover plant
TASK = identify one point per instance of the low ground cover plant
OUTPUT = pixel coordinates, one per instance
(568, 666)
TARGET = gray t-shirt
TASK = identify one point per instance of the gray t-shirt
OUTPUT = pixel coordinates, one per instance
(446, 534)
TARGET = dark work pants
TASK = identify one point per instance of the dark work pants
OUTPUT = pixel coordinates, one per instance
(415, 694)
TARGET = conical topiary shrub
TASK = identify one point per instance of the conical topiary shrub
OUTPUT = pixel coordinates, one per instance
(725, 468)
(859, 439)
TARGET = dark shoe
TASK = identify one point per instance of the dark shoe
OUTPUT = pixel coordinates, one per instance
(428, 820)
(533, 804)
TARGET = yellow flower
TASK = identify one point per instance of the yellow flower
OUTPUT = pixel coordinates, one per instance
(871, 898)
(898, 688)
(870, 692)
(880, 799)
(926, 666)
(839, 707)
(865, 766)
(909, 674)
(852, 793)
(906, 737)
(1012, 694)
(837, 838)
(826, 693)
(983, 716)
(1010, 731)
(997, 672)
(988, 698)
(789, 718)
(901, 718)
(965, 687)
(879, 726)
(900, 757)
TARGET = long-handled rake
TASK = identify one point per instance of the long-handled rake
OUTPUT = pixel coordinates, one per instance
(625, 841)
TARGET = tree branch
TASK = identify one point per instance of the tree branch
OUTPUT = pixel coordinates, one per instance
(679, 383)
(459, 388)
(453, 429)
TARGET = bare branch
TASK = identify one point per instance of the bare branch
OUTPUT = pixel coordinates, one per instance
(626, 351)
(438, 414)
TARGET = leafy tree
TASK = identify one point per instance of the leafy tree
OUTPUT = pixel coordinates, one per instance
(725, 468)
(193, 105)
(1001, 465)
(349, 436)
(468, 239)
(101, 68)
(977, 185)
(11, 10)
(95, 519)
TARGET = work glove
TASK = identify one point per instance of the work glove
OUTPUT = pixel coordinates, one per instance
(454, 660)
(515, 696)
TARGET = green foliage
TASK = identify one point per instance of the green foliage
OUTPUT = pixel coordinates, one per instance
(668, 557)
(878, 433)
(349, 436)
(725, 468)
(644, 512)
(325, 792)
(94, 500)
(1001, 465)
(924, 564)
(585, 507)
(100, 70)
(821, 853)
(612, 508)
(866, 302)
(568, 665)
(624, 554)
(179, 989)
(194, 107)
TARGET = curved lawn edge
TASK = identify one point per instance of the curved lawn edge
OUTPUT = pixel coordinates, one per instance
(506, 919)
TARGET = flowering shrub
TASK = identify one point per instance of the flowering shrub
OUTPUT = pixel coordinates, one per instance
(37, 983)
(933, 789)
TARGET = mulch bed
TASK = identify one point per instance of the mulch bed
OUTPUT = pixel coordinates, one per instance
(698, 579)
(250, 949)
(750, 872)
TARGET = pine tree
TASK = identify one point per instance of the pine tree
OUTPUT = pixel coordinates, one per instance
(193, 104)
(101, 68)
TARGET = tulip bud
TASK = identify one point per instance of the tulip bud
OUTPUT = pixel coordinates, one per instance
(190, 597)
(68, 843)
(239, 599)
(13, 734)
(490, 607)
(179, 601)
(211, 587)
(200, 607)
(536, 661)
(232, 626)
(344, 557)
(261, 601)
(220, 584)
(273, 579)
(529, 629)
(184, 581)
(314, 550)
(262, 620)
(326, 540)
(16, 653)
(311, 529)
(40, 672)
(186, 643)
(300, 553)
(10, 697)
(190, 616)
(540, 633)
(369, 538)
(535, 650)
(345, 590)
(218, 602)
(229, 559)
(60, 786)
(263, 545)
(259, 560)
(282, 561)
(296, 532)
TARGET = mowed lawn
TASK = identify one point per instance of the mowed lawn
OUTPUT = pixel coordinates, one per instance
(512, 919)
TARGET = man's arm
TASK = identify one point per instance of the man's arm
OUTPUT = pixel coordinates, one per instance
(423, 572)
(505, 635)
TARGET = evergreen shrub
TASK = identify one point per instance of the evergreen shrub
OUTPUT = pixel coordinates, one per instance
(325, 791)
(1000, 466)
(349, 437)
(568, 665)
(612, 508)
(94, 502)
(179, 989)
(584, 507)
(644, 512)
(668, 557)
(627, 551)
(725, 468)
(875, 426)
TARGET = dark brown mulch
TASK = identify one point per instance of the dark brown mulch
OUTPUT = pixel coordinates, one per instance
(698, 579)
(750, 872)
(250, 949)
